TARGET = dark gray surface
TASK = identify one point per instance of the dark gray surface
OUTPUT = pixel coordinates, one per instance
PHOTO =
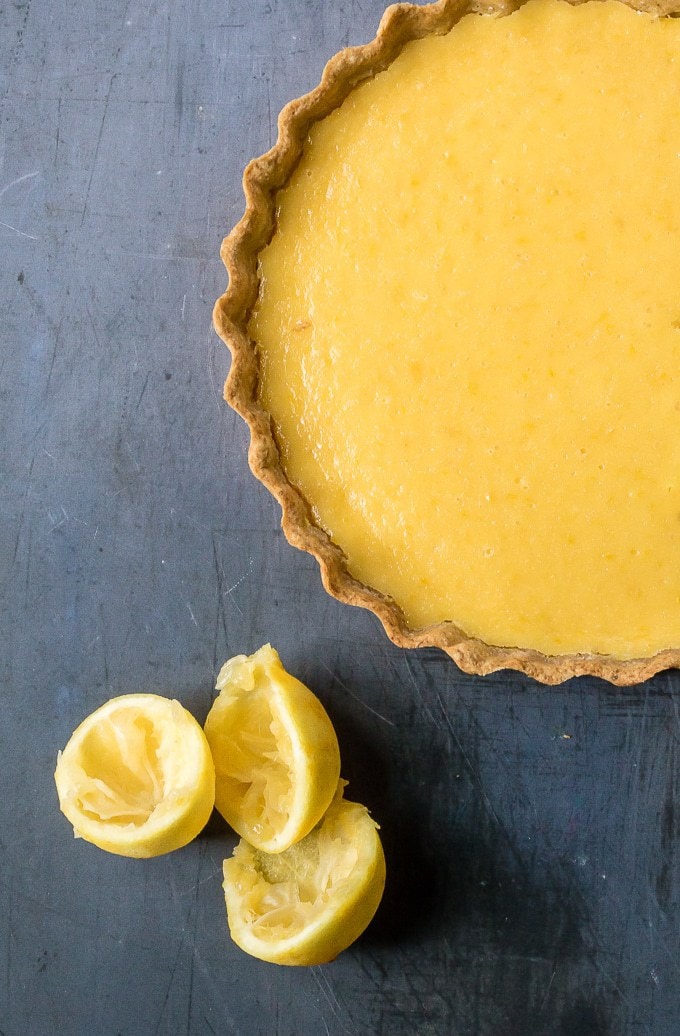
(530, 832)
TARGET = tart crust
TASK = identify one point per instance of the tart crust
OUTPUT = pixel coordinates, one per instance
(262, 179)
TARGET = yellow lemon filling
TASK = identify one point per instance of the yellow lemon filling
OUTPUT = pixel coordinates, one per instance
(469, 324)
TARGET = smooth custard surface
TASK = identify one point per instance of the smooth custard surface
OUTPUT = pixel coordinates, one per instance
(469, 325)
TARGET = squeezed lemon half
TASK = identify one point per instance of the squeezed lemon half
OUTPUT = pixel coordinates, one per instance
(276, 755)
(307, 904)
(136, 777)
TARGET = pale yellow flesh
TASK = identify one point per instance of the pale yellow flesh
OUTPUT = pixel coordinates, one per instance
(122, 778)
(470, 329)
(254, 760)
(289, 889)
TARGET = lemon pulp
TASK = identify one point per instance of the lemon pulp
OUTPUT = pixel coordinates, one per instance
(123, 779)
(469, 329)
(295, 885)
(255, 761)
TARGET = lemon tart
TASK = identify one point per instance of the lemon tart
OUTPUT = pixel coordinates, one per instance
(454, 319)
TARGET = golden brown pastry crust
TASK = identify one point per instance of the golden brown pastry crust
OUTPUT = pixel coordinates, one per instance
(263, 177)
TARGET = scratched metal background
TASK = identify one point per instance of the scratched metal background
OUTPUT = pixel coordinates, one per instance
(531, 834)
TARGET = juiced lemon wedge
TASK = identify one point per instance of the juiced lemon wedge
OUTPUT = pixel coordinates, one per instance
(136, 777)
(307, 904)
(276, 755)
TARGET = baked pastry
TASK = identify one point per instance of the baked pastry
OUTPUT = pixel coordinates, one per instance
(453, 316)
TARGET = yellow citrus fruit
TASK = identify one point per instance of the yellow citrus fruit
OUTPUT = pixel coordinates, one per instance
(307, 904)
(136, 777)
(277, 760)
